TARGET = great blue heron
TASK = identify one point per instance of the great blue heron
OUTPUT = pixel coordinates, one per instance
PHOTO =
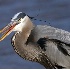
(35, 45)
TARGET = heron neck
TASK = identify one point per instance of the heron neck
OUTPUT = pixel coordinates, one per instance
(22, 36)
(27, 30)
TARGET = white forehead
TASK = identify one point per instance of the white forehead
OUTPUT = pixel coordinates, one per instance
(22, 24)
(15, 16)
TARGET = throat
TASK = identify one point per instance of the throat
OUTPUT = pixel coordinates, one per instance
(22, 36)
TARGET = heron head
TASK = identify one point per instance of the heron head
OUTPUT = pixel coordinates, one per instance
(16, 24)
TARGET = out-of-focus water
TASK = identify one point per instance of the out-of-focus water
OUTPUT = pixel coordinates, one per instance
(55, 12)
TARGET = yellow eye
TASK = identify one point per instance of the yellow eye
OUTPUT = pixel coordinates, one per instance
(19, 19)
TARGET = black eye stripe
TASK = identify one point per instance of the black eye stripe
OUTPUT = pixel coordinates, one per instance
(21, 15)
(18, 16)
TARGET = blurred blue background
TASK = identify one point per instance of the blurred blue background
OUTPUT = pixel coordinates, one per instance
(55, 12)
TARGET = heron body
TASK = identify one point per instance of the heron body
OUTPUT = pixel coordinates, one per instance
(35, 45)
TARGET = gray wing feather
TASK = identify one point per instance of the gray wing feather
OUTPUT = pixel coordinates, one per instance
(41, 31)
(53, 52)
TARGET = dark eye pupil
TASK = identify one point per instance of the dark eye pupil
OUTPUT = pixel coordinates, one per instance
(19, 19)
